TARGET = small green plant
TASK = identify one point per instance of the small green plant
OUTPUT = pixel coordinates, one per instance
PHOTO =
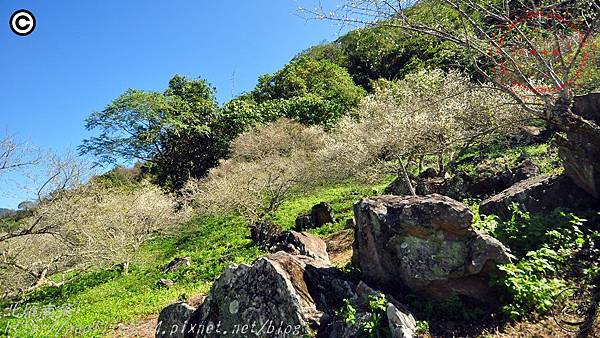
(372, 327)
(422, 327)
(348, 312)
(531, 283)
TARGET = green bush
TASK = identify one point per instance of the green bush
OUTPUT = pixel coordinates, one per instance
(548, 246)
(531, 284)
(312, 92)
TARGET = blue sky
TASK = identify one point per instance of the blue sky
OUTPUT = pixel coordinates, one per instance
(83, 54)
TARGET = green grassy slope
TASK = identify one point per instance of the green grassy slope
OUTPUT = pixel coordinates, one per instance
(95, 301)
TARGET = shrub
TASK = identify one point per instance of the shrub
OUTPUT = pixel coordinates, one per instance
(266, 164)
(428, 113)
(531, 283)
(90, 225)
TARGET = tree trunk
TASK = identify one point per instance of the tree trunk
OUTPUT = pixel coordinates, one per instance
(406, 177)
(126, 267)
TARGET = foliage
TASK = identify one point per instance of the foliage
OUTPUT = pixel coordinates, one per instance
(408, 119)
(373, 326)
(312, 92)
(265, 165)
(524, 232)
(90, 225)
(531, 284)
(348, 312)
(177, 133)
(385, 52)
(422, 327)
(547, 245)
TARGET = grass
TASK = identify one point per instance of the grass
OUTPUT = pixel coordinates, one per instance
(488, 161)
(92, 302)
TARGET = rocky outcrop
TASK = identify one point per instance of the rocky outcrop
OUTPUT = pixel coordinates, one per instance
(425, 244)
(173, 320)
(280, 295)
(580, 150)
(301, 243)
(538, 195)
(264, 233)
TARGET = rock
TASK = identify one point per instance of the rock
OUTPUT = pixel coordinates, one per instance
(539, 195)
(173, 320)
(580, 151)
(398, 187)
(491, 185)
(401, 325)
(176, 264)
(579, 159)
(279, 295)
(527, 169)
(165, 283)
(425, 244)
(321, 214)
(456, 186)
(428, 173)
(264, 232)
(587, 106)
(303, 222)
(300, 243)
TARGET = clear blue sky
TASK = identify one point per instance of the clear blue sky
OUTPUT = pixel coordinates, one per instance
(83, 54)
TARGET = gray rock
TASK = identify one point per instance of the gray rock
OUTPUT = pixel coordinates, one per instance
(173, 320)
(399, 187)
(176, 264)
(303, 222)
(279, 295)
(301, 243)
(401, 325)
(580, 151)
(538, 195)
(264, 233)
(426, 244)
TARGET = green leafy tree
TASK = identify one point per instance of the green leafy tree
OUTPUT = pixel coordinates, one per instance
(176, 133)
(310, 91)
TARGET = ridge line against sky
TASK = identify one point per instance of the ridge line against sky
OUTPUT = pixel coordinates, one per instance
(83, 54)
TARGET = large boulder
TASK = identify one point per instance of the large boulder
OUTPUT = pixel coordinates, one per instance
(580, 151)
(301, 243)
(279, 295)
(539, 195)
(173, 320)
(425, 244)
